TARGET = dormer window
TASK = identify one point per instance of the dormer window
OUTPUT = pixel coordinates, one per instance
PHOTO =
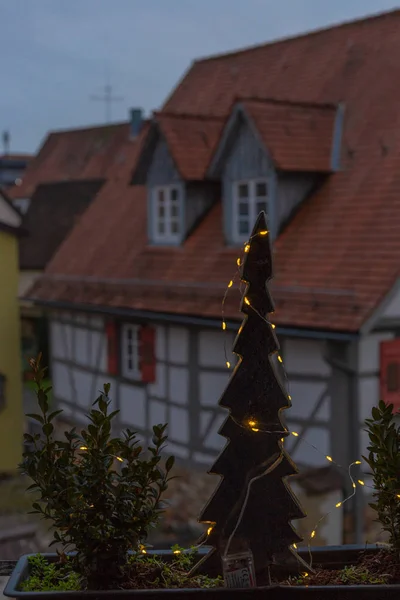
(249, 198)
(167, 201)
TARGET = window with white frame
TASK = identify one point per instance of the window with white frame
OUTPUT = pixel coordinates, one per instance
(249, 199)
(130, 351)
(168, 207)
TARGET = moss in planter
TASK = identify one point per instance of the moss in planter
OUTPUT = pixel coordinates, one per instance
(141, 572)
(50, 577)
(377, 569)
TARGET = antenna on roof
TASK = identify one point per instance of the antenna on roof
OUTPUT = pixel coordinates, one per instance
(108, 99)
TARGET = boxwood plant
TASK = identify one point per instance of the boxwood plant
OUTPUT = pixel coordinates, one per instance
(384, 461)
(101, 494)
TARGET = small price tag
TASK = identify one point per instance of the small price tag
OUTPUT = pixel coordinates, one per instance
(238, 570)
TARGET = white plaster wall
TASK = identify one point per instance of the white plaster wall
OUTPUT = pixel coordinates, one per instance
(160, 343)
(62, 383)
(98, 350)
(213, 440)
(368, 351)
(305, 395)
(61, 340)
(178, 426)
(159, 387)
(212, 386)
(132, 404)
(305, 356)
(178, 345)
(211, 348)
(304, 453)
(179, 385)
(79, 345)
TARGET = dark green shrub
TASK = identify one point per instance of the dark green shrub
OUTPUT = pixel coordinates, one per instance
(102, 494)
(384, 461)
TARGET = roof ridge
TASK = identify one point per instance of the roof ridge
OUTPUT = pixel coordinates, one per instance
(88, 128)
(303, 103)
(312, 32)
(199, 117)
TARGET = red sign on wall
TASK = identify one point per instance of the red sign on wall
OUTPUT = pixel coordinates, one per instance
(390, 373)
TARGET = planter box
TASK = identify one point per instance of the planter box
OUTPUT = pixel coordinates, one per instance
(329, 557)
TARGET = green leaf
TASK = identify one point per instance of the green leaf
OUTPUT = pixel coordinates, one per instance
(35, 417)
(170, 463)
(376, 413)
(54, 414)
(43, 402)
(48, 428)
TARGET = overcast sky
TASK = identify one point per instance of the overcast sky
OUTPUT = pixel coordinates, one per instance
(56, 54)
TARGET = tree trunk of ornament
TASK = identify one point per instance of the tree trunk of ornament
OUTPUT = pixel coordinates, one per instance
(252, 506)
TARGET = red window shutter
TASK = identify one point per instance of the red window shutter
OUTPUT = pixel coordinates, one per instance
(147, 354)
(112, 348)
(390, 373)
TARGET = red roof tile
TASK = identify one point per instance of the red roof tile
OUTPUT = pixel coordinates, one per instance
(336, 259)
(74, 154)
(299, 137)
(191, 141)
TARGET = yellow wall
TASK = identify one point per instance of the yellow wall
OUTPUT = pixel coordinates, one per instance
(11, 417)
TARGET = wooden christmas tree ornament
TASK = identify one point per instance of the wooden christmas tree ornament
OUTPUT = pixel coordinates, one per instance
(253, 505)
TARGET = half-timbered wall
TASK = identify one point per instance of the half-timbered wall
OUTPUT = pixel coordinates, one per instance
(190, 378)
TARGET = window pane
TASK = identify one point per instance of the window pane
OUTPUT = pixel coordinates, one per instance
(244, 227)
(243, 190)
(174, 227)
(174, 194)
(161, 196)
(130, 364)
(174, 210)
(261, 206)
(243, 209)
(261, 189)
(161, 227)
(129, 334)
(161, 210)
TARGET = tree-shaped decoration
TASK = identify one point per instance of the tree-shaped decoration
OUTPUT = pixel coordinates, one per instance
(255, 514)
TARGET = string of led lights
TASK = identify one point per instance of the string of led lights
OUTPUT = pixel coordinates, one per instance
(257, 427)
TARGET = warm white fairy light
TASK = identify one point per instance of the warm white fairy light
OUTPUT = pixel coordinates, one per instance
(295, 433)
(247, 301)
(329, 458)
(247, 248)
(228, 364)
(83, 448)
(223, 325)
(280, 358)
(230, 284)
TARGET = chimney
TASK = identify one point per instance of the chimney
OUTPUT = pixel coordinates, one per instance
(6, 142)
(136, 121)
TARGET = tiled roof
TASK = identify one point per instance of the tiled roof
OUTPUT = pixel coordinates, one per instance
(53, 211)
(337, 258)
(299, 137)
(72, 155)
(191, 141)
